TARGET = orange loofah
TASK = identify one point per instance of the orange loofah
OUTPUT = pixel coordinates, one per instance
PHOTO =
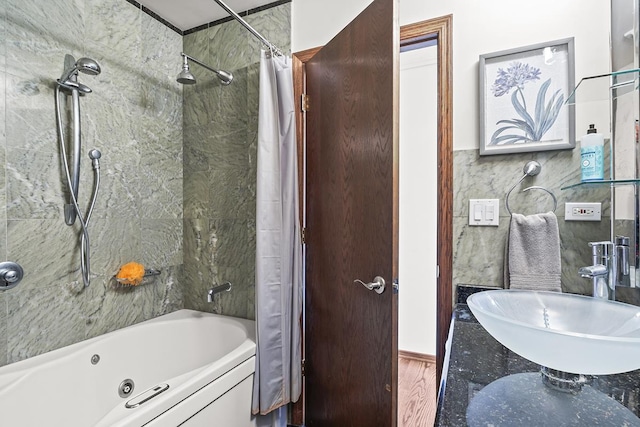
(131, 274)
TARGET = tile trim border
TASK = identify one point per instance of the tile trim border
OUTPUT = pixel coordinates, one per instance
(209, 24)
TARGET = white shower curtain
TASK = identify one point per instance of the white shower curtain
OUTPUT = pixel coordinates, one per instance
(278, 375)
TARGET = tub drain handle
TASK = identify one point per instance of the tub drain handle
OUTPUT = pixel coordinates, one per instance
(146, 396)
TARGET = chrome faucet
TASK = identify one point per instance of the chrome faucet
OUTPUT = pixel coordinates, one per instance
(217, 289)
(602, 271)
(621, 266)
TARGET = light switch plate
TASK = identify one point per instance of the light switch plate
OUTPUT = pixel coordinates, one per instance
(484, 212)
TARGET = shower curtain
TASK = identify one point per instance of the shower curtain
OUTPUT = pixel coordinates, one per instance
(278, 375)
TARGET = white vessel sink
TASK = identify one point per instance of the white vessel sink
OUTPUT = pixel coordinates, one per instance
(571, 333)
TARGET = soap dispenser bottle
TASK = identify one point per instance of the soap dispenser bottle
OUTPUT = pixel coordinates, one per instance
(592, 155)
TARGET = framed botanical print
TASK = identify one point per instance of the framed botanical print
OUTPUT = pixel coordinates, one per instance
(523, 94)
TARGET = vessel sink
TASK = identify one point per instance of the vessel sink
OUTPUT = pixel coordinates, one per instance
(571, 333)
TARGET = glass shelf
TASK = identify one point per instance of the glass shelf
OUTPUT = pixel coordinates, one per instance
(605, 87)
(610, 182)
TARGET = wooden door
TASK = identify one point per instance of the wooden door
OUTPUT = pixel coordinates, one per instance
(352, 170)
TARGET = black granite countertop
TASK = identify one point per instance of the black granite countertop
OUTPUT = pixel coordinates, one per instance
(476, 360)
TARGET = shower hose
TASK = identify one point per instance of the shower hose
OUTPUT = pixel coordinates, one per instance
(85, 249)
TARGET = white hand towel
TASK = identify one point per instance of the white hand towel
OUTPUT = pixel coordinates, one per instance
(532, 259)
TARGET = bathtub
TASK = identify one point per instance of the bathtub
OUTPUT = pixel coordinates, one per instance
(186, 368)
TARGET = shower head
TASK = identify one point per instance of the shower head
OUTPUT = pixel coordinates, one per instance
(186, 78)
(85, 65)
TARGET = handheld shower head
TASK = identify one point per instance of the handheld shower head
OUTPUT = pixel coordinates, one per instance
(85, 65)
(88, 66)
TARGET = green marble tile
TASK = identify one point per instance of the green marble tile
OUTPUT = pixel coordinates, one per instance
(3, 328)
(110, 308)
(115, 25)
(172, 291)
(114, 242)
(232, 193)
(39, 34)
(160, 51)
(47, 250)
(228, 151)
(41, 320)
(34, 185)
(196, 44)
(196, 146)
(30, 114)
(199, 270)
(234, 243)
(234, 302)
(228, 46)
(3, 36)
(491, 177)
(161, 174)
(196, 194)
(3, 110)
(253, 94)
(576, 253)
(161, 243)
(275, 25)
(201, 102)
(231, 114)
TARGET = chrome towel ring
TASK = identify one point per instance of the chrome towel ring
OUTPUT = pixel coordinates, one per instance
(532, 168)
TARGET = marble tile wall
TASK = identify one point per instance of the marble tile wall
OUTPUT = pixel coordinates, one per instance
(220, 137)
(478, 252)
(134, 116)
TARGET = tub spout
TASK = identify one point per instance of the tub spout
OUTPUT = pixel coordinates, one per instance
(217, 289)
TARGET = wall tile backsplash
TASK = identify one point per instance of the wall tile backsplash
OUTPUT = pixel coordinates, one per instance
(478, 252)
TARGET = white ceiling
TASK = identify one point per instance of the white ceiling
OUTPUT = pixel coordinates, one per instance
(187, 14)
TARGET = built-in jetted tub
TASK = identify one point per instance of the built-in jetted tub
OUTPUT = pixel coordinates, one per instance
(185, 368)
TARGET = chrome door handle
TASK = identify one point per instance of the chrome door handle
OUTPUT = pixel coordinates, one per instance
(377, 285)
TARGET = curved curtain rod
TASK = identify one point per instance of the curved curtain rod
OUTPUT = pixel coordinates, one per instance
(249, 28)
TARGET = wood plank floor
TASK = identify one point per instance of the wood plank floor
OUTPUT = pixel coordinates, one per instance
(416, 392)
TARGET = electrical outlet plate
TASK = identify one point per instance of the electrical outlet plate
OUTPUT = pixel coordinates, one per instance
(583, 211)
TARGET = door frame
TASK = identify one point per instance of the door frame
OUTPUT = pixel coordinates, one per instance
(439, 29)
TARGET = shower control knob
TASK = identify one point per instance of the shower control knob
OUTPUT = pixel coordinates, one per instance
(10, 275)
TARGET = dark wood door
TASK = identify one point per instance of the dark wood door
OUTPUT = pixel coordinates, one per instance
(352, 152)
